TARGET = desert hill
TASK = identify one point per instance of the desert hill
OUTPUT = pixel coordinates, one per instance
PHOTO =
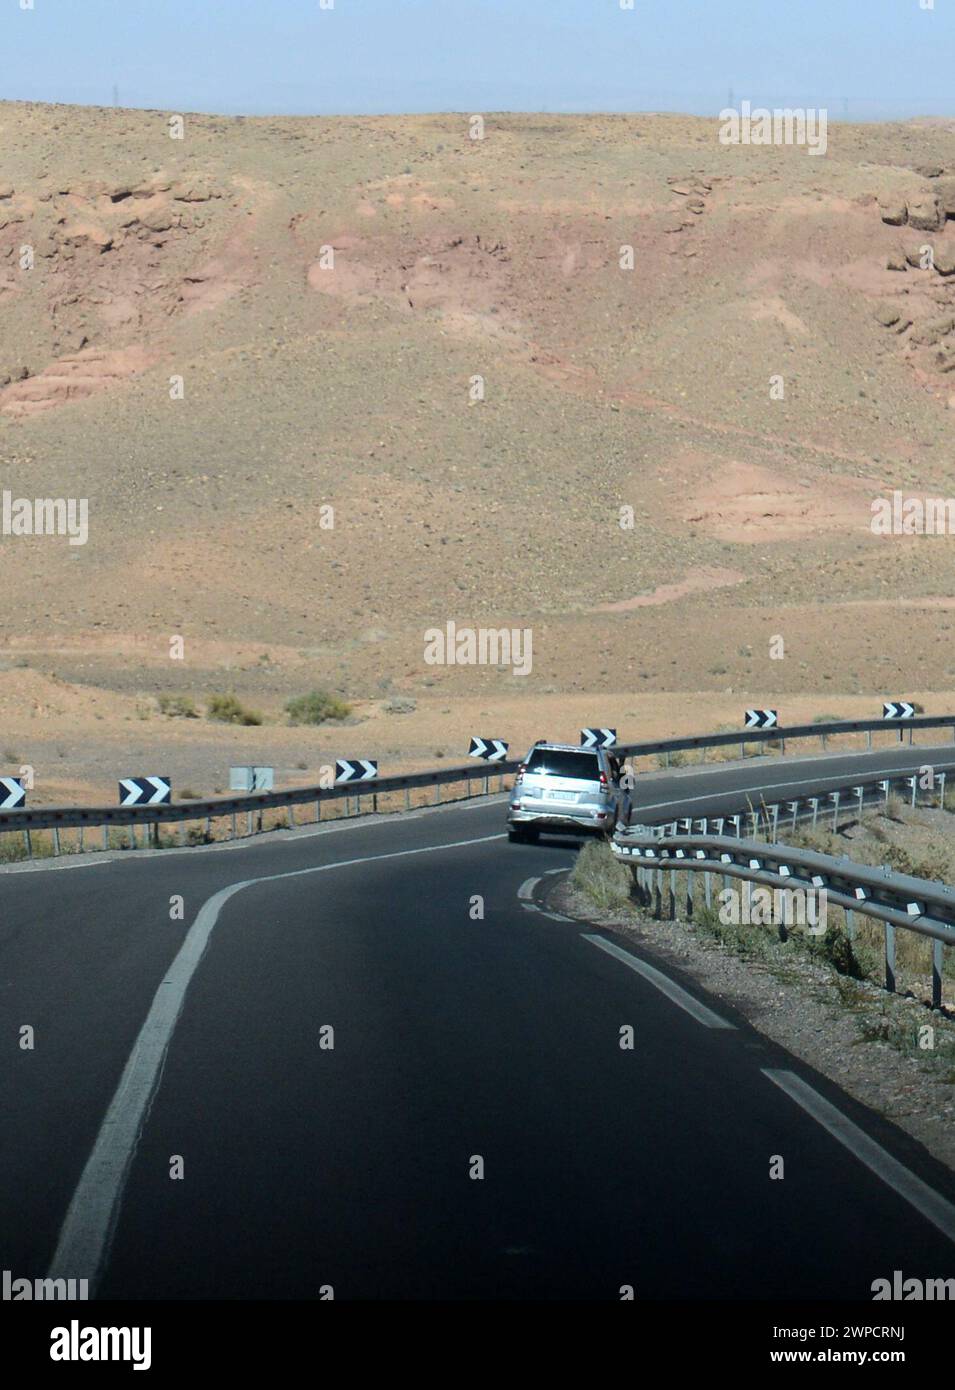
(329, 291)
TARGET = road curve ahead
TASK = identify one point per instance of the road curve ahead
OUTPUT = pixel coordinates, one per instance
(390, 1074)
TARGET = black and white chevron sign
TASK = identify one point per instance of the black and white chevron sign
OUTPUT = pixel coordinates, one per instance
(492, 750)
(598, 738)
(761, 718)
(898, 709)
(355, 770)
(145, 791)
(12, 793)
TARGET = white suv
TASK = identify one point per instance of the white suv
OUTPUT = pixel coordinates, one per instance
(563, 787)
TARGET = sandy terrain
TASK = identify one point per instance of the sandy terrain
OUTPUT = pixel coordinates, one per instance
(221, 337)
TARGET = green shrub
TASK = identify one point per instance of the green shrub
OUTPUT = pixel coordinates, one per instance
(178, 706)
(601, 877)
(316, 707)
(836, 950)
(676, 759)
(226, 709)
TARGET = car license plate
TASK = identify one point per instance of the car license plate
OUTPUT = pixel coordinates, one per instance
(561, 796)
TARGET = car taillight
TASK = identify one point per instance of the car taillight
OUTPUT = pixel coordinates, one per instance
(603, 779)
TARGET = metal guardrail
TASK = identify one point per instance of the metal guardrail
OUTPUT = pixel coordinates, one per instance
(252, 804)
(896, 900)
(854, 795)
(780, 734)
(56, 818)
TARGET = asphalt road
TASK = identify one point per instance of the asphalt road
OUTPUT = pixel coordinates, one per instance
(457, 1038)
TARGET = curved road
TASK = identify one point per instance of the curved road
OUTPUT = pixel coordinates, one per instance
(475, 1131)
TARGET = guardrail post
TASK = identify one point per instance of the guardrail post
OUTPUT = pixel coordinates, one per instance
(437, 793)
(81, 839)
(938, 961)
(671, 905)
(775, 823)
(407, 798)
(658, 895)
(941, 794)
(868, 739)
(860, 791)
(132, 835)
(850, 924)
(794, 807)
(814, 803)
(915, 782)
(28, 843)
(742, 748)
(318, 809)
(890, 957)
(56, 840)
(689, 896)
(834, 798)
(248, 823)
(208, 827)
(737, 825)
(234, 827)
(106, 837)
(291, 815)
(708, 888)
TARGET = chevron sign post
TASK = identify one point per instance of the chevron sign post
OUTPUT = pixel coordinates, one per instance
(12, 793)
(761, 718)
(354, 770)
(598, 738)
(492, 750)
(145, 791)
(898, 709)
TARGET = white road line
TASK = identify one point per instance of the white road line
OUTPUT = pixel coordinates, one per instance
(91, 1217)
(526, 890)
(663, 983)
(917, 1193)
(758, 790)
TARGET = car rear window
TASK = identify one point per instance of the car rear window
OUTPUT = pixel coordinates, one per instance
(561, 762)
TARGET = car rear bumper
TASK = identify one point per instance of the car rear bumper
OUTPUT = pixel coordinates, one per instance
(566, 820)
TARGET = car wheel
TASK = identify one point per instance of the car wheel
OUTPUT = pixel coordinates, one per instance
(516, 837)
(532, 835)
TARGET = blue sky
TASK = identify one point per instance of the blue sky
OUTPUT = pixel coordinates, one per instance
(870, 59)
